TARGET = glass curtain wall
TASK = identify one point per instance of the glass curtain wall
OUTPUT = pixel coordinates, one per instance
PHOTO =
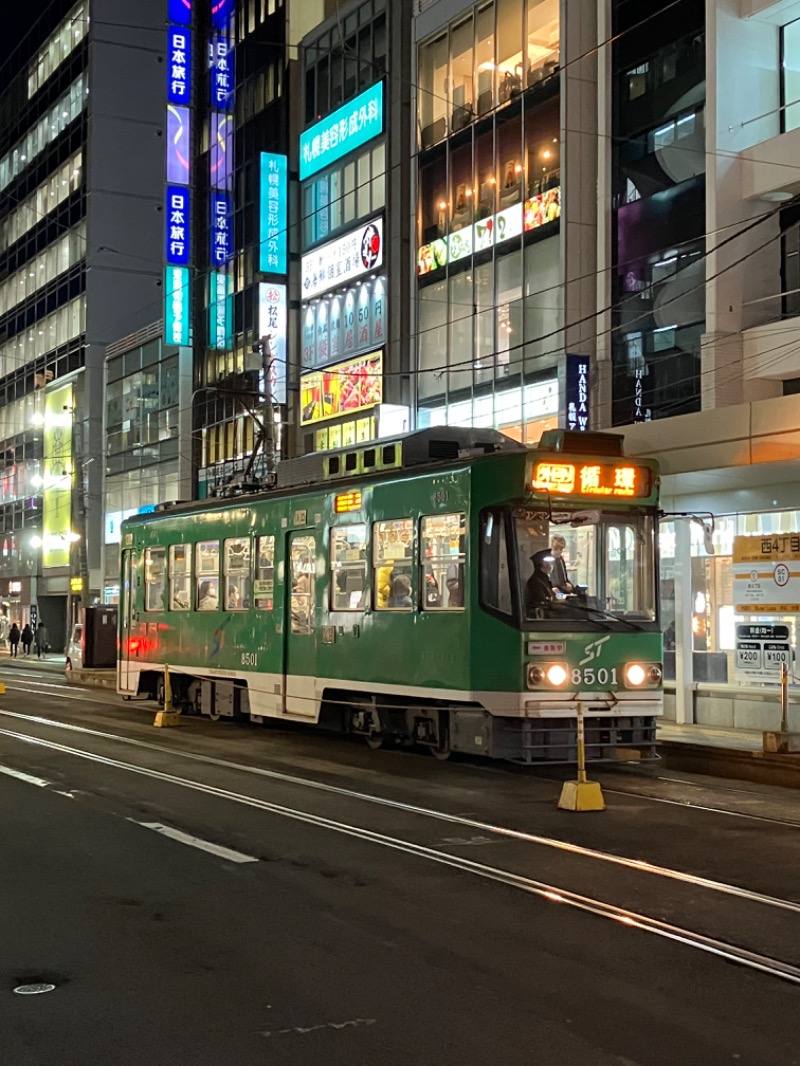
(483, 60)
(658, 211)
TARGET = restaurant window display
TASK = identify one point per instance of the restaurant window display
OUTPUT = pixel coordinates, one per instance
(485, 188)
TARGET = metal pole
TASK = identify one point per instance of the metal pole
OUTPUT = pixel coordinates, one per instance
(581, 749)
(167, 692)
(784, 698)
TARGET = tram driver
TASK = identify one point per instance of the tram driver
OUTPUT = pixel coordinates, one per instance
(538, 588)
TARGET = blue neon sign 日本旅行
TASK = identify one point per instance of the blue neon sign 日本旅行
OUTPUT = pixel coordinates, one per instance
(342, 132)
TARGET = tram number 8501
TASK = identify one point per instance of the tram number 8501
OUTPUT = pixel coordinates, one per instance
(591, 676)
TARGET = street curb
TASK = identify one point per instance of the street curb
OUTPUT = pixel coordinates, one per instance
(92, 678)
(763, 768)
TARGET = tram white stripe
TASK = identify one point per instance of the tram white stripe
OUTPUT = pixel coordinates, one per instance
(29, 779)
(195, 842)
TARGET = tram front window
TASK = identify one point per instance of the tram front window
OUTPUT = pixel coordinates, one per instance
(605, 564)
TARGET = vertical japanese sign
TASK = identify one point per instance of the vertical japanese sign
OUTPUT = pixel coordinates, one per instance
(57, 490)
(220, 56)
(176, 305)
(179, 64)
(221, 222)
(220, 310)
(272, 328)
(220, 175)
(577, 392)
(178, 234)
(177, 196)
(273, 213)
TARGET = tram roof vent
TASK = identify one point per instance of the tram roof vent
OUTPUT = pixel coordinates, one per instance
(566, 440)
(454, 442)
(305, 470)
(439, 444)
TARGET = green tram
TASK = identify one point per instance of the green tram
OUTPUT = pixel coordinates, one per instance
(388, 591)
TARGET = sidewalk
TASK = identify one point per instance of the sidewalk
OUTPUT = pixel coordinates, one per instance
(53, 662)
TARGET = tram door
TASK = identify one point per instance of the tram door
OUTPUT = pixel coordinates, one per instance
(300, 644)
(126, 620)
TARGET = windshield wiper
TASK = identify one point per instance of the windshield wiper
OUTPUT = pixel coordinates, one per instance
(604, 614)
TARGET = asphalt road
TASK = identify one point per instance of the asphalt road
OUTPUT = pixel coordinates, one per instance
(341, 926)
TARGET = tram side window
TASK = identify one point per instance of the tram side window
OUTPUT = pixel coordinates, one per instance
(392, 563)
(207, 575)
(264, 588)
(494, 574)
(180, 575)
(442, 561)
(154, 560)
(303, 574)
(237, 574)
(348, 547)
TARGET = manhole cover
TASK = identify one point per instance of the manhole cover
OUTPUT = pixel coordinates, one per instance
(34, 990)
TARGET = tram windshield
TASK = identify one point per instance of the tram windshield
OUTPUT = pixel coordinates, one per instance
(590, 567)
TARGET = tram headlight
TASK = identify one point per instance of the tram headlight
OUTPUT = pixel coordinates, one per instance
(557, 674)
(642, 675)
(547, 675)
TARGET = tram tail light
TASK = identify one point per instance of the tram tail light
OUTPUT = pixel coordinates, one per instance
(547, 675)
(642, 675)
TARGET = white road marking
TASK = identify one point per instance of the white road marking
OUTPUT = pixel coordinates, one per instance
(27, 778)
(690, 938)
(196, 842)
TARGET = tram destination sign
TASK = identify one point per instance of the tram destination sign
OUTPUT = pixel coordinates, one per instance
(596, 479)
(761, 650)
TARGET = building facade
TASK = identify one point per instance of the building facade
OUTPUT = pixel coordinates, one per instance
(80, 249)
(355, 264)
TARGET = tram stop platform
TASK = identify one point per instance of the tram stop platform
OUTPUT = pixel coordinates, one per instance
(717, 751)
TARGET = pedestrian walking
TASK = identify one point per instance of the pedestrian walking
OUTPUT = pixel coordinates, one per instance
(13, 640)
(41, 640)
(26, 639)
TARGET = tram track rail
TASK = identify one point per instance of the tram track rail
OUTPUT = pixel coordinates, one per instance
(720, 947)
(473, 824)
(541, 773)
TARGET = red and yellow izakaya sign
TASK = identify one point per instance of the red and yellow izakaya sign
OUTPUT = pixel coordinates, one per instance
(591, 479)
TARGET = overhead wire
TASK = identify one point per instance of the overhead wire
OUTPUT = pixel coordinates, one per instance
(532, 296)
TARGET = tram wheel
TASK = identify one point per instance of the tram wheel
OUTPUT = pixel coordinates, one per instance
(442, 754)
(374, 741)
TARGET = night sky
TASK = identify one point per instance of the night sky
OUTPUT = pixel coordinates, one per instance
(17, 20)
